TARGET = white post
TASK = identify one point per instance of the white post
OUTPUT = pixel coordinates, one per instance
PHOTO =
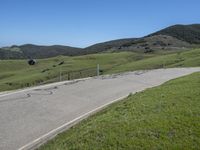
(97, 69)
(60, 74)
(164, 63)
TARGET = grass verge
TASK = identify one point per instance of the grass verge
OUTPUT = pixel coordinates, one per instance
(164, 117)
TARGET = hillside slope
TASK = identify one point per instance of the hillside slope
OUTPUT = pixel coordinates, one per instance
(188, 33)
(142, 45)
(105, 46)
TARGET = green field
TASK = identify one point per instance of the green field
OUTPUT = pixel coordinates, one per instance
(164, 117)
(16, 74)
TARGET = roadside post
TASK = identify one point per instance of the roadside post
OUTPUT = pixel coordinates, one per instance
(60, 74)
(97, 69)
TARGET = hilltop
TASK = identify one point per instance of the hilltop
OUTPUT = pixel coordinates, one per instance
(187, 33)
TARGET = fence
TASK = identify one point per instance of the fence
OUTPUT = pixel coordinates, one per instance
(89, 72)
(70, 75)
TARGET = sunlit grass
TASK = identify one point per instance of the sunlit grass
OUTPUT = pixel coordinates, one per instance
(164, 117)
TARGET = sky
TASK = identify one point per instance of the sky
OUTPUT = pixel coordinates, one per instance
(81, 23)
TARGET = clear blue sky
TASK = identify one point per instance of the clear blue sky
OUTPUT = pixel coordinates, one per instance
(84, 22)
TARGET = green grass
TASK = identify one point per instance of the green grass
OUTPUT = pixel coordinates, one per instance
(16, 74)
(164, 117)
(180, 59)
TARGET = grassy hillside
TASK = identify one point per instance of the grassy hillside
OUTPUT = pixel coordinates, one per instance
(165, 117)
(179, 59)
(16, 74)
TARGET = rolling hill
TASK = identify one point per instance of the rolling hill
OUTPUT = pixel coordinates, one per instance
(35, 51)
(177, 37)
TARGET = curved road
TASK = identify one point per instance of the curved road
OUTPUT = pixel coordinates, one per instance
(31, 116)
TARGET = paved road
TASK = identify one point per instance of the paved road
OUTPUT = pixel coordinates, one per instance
(31, 115)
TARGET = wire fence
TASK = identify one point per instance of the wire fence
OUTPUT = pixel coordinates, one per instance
(71, 75)
(56, 76)
(89, 72)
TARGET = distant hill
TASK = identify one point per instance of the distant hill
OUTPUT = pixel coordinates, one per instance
(177, 37)
(48, 51)
(188, 33)
(35, 51)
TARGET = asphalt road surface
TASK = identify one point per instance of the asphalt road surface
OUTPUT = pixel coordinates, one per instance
(31, 116)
